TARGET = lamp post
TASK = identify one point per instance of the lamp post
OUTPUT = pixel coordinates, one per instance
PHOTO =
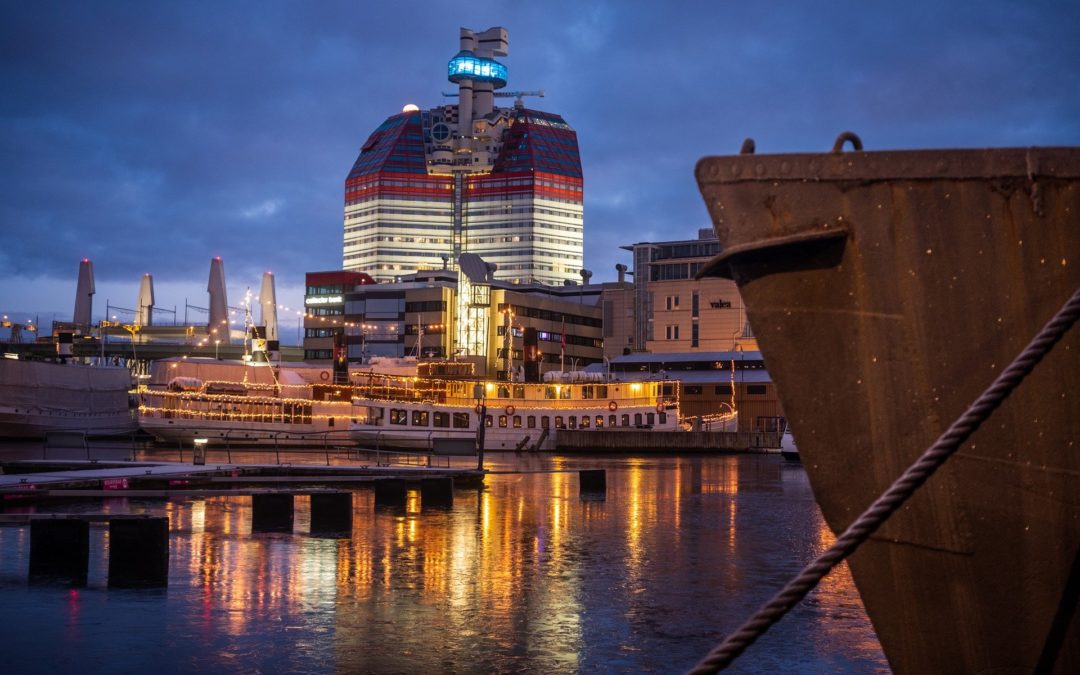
(216, 343)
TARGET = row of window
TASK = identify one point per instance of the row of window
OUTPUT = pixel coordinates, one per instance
(723, 389)
(460, 420)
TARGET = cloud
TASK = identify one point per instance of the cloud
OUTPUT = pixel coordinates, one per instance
(151, 137)
(263, 210)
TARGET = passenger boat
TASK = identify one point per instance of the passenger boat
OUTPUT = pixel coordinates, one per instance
(39, 397)
(298, 404)
(887, 290)
(235, 403)
(410, 413)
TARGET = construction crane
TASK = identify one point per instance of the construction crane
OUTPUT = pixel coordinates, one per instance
(519, 95)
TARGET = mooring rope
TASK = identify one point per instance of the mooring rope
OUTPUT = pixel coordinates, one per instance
(899, 492)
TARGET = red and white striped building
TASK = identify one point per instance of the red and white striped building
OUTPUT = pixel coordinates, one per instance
(503, 183)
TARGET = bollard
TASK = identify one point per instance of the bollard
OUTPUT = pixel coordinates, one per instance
(390, 492)
(271, 512)
(59, 548)
(331, 512)
(437, 493)
(138, 552)
(593, 481)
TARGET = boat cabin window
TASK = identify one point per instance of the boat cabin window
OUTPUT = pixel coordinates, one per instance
(420, 418)
(572, 422)
(545, 422)
(601, 391)
(517, 421)
(488, 422)
(374, 415)
(599, 421)
(587, 391)
(668, 389)
(758, 389)
(585, 419)
(519, 391)
(461, 420)
(626, 420)
(531, 421)
(559, 422)
(504, 391)
(564, 392)
(637, 419)
(611, 421)
(650, 419)
(399, 416)
(550, 392)
(502, 421)
(692, 389)
(441, 419)
(663, 418)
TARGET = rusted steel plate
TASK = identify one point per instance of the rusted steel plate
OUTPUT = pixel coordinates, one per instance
(886, 290)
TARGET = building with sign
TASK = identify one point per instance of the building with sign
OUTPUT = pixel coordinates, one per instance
(675, 312)
(503, 182)
(420, 315)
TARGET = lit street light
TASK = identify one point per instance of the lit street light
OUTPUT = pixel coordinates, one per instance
(216, 343)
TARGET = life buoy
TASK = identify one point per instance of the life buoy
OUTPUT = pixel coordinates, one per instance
(324, 376)
(510, 410)
(612, 406)
(660, 407)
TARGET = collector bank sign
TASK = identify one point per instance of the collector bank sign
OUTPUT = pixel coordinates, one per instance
(324, 300)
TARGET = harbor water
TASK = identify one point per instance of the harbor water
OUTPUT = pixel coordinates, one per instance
(526, 575)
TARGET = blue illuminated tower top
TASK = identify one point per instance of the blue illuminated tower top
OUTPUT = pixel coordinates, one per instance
(469, 66)
(477, 74)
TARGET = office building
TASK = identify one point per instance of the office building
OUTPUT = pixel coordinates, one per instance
(503, 182)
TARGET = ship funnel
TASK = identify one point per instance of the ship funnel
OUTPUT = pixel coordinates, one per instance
(219, 304)
(144, 306)
(621, 269)
(84, 295)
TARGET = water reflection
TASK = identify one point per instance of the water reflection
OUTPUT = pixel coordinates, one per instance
(524, 576)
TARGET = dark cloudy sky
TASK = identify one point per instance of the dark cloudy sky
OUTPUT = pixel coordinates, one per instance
(151, 136)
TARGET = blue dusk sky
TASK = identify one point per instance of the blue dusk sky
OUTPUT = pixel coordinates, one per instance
(152, 136)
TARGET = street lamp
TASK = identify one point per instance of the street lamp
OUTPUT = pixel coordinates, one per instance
(216, 343)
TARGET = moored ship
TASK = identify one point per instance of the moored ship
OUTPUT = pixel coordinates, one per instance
(39, 397)
(409, 413)
(301, 405)
(920, 275)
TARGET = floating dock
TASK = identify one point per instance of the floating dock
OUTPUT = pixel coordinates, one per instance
(35, 479)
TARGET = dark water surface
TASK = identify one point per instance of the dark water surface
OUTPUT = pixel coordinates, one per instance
(524, 576)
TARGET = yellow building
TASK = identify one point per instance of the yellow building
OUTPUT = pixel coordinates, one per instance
(676, 312)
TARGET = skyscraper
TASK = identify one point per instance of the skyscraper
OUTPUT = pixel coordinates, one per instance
(501, 182)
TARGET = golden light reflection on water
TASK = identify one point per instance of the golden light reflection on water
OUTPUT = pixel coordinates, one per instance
(526, 574)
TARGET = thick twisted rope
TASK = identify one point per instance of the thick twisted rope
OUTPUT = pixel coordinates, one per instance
(899, 492)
